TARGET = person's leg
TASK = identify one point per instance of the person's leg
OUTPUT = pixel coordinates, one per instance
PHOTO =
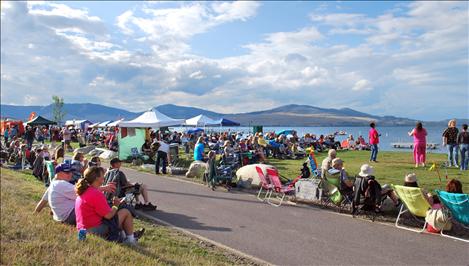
(423, 158)
(157, 162)
(165, 161)
(466, 161)
(464, 156)
(126, 221)
(456, 155)
(450, 155)
(144, 192)
(416, 155)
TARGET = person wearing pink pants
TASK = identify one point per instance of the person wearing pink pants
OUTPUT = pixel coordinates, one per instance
(420, 144)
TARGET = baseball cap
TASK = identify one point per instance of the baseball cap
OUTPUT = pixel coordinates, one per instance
(64, 167)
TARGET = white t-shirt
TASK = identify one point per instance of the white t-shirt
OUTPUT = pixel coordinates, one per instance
(164, 147)
(61, 197)
(67, 135)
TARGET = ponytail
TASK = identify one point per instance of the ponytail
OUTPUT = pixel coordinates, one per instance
(90, 175)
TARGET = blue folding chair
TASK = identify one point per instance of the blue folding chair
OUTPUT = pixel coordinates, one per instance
(458, 207)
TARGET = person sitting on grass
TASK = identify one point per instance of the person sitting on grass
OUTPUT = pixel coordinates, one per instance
(94, 161)
(94, 214)
(327, 162)
(199, 150)
(79, 165)
(123, 186)
(338, 172)
(61, 196)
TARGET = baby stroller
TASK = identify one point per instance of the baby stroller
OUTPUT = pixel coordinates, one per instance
(222, 174)
(367, 196)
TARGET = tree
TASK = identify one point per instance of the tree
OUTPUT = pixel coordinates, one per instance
(58, 111)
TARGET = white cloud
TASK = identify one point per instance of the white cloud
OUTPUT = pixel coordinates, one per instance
(362, 85)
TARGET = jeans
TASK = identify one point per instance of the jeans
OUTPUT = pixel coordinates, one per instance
(162, 157)
(374, 152)
(464, 156)
(453, 149)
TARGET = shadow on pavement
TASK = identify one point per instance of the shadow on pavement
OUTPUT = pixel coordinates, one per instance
(184, 221)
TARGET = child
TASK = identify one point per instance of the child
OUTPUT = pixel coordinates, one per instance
(305, 173)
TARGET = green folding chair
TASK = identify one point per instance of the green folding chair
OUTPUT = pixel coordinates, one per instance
(413, 202)
(458, 207)
(50, 171)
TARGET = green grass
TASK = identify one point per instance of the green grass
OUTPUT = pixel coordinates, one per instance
(390, 169)
(28, 238)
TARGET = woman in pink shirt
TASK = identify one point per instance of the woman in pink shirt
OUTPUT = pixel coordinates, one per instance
(420, 144)
(91, 207)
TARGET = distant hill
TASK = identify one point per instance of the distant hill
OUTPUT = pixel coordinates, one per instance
(287, 115)
(92, 112)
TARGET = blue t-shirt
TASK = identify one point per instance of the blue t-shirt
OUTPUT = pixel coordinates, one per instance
(199, 152)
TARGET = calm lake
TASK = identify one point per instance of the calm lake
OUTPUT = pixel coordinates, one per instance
(388, 134)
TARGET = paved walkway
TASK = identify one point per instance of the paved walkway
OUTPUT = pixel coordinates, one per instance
(292, 235)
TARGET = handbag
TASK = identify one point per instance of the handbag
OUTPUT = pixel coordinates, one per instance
(438, 219)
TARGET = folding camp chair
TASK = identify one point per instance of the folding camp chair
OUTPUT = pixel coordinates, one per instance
(279, 189)
(264, 185)
(458, 207)
(413, 202)
(315, 171)
(49, 165)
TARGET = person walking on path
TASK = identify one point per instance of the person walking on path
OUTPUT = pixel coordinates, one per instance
(161, 155)
(463, 141)
(374, 140)
(450, 136)
(420, 144)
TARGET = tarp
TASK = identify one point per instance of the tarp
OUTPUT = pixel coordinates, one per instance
(128, 139)
(284, 132)
(83, 124)
(201, 121)
(195, 130)
(115, 123)
(39, 120)
(228, 123)
(152, 118)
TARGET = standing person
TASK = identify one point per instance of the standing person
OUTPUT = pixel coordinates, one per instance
(374, 140)
(450, 136)
(29, 136)
(161, 155)
(66, 138)
(463, 141)
(6, 134)
(420, 144)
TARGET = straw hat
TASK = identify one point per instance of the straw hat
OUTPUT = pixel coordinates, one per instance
(366, 170)
(410, 178)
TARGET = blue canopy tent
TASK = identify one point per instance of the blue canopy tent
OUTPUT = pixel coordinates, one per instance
(228, 123)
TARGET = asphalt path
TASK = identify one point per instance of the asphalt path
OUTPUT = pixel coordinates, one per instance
(292, 235)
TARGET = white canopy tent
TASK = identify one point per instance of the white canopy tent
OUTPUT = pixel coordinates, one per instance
(104, 124)
(115, 123)
(201, 121)
(152, 118)
(83, 124)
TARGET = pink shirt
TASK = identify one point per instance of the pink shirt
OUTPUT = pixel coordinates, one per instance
(420, 136)
(373, 135)
(90, 208)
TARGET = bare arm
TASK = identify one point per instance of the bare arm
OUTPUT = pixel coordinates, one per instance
(40, 205)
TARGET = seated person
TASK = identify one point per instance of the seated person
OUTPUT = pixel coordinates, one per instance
(95, 161)
(454, 186)
(123, 186)
(327, 162)
(79, 165)
(146, 148)
(337, 172)
(60, 195)
(94, 214)
(199, 150)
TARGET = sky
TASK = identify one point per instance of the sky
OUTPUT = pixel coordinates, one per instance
(407, 59)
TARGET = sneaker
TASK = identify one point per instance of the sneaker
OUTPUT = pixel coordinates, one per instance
(149, 207)
(139, 206)
(457, 166)
(139, 233)
(130, 242)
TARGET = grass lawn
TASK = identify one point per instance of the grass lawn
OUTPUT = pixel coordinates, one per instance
(27, 238)
(390, 169)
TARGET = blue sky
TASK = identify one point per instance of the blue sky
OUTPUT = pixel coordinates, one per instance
(388, 58)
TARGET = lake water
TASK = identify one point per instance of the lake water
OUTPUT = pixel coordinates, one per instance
(388, 134)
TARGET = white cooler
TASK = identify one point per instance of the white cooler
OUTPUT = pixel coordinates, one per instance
(308, 189)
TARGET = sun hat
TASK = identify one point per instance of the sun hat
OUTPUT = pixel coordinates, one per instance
(64, 167)
(366, 170)
(410, 178)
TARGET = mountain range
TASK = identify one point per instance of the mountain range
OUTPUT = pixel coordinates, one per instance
(287, 115)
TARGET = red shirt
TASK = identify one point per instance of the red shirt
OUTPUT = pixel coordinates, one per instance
(90, 208)
(374, 137)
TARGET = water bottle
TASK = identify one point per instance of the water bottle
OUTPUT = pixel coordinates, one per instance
(82, 234)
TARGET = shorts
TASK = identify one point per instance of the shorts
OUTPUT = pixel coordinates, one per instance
(71, 219)
(135, 189)
(101, 230)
